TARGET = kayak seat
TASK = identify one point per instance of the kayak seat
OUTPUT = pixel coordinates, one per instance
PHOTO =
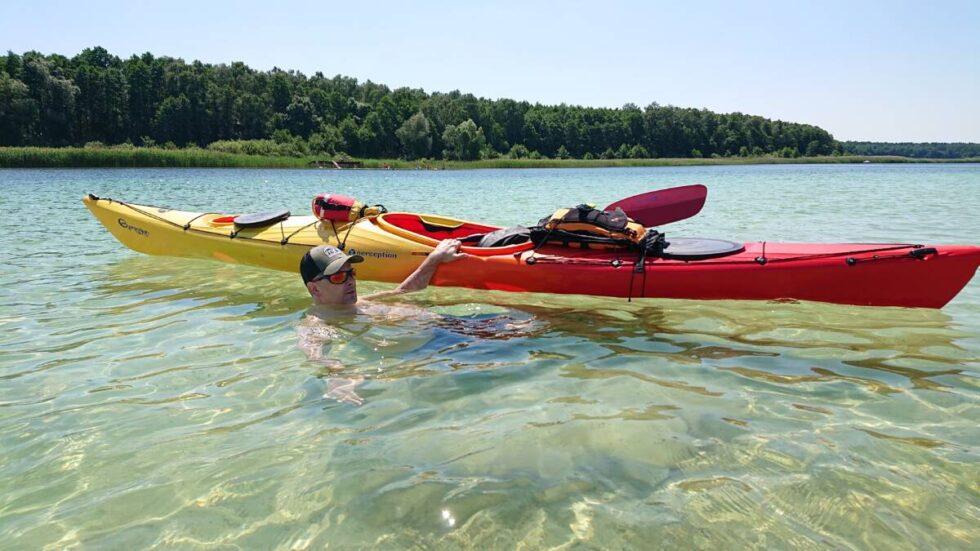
(260, 219)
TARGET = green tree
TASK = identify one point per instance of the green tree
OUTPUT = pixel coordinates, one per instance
(367, 138)
(280, 91)
(301, 117)
(518, 151)
(18, 112)
(350, 132)
(11, 65)
(54, 99)
(463, 141)
(172, 122)
(510, 115)
(288, 144)
(327, 140)
(415, 136)
(103, 98)
(378, 130)
(338, 108)
(639, 152)
(142, 97)
(250, 116)
(814, 148)
(220, 107)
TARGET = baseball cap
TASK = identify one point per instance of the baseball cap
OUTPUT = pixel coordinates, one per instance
(324, 260)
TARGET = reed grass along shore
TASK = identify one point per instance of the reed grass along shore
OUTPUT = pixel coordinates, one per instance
(85, 157)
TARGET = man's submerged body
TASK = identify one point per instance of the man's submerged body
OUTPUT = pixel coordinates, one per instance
(331, 282)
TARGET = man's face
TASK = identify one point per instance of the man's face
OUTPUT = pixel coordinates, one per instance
(327, 293)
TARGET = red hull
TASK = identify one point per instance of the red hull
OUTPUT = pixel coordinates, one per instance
(860, 274)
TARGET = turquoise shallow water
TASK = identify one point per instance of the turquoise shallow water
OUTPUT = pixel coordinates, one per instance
(164, 403)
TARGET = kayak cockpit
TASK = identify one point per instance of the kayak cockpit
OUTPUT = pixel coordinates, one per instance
(430, 229)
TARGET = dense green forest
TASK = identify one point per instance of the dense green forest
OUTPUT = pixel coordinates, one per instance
(53, 100)
(915, 150)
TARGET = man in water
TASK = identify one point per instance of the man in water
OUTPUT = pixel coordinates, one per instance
(330, 278)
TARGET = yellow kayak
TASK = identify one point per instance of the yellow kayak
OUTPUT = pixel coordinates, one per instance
(279, 246)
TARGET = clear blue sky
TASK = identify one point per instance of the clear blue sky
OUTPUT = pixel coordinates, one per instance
(882, 71)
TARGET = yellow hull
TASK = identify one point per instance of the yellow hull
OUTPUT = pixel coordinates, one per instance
(279, 246)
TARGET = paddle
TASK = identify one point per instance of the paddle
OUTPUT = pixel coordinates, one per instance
(663, 206)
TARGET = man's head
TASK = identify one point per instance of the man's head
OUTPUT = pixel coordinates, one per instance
(328, 275)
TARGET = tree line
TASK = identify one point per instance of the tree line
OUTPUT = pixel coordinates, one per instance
(931, 150)
(53, 100)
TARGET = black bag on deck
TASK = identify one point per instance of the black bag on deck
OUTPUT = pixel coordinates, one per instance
(590, 227)
(513, 235)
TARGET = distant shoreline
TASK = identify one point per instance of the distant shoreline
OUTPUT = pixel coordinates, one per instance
(154, 157)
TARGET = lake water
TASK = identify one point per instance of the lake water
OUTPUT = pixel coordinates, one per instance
(156, 402)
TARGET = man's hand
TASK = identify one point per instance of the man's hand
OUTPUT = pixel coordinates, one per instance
(447, 251)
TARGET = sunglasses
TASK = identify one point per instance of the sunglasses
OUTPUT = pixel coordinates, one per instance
(337, 278)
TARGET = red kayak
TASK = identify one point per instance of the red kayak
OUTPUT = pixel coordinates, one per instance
(869, 274)
(862, 274)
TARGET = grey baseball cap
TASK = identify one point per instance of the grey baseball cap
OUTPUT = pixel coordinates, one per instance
(325, 260)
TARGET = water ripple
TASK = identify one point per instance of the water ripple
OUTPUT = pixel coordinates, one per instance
(165, 402)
